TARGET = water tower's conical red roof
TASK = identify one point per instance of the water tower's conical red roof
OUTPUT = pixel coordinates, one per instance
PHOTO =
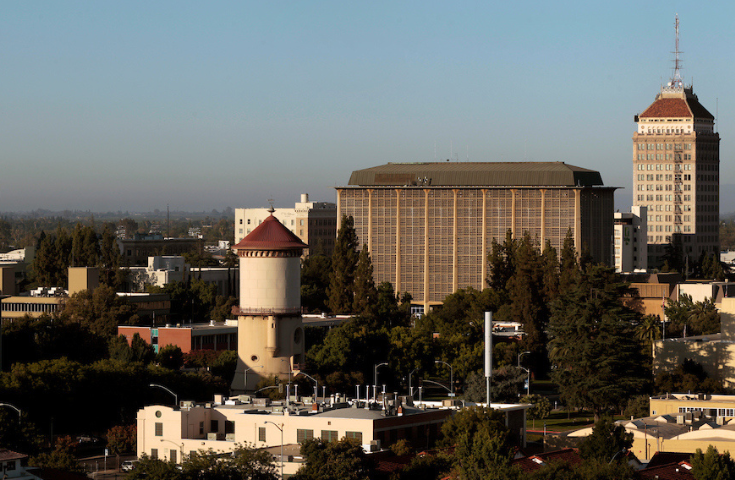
(271, 235)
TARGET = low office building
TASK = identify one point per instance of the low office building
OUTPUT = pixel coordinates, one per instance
(52, 300)
(680, 423)
(135, 251)
(651, 291)
(15, 307)
(164, 269)
(163, 431)
(171, 432)
(192, 337)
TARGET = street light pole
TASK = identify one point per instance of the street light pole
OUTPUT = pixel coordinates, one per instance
(288, 391)
(245, 387)
(281, 429)
(176, 397)
(20, 414)
(375, 372)
(528, 372)
(410, 388)
(451, 376)
(316, 384)
(181, 448)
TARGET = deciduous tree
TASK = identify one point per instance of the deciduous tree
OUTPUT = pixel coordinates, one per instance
(61, 458)
(122, 439)
(337, 460)
(607, 440)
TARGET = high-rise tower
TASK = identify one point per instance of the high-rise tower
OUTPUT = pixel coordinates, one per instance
(676, 171)
(270, 337)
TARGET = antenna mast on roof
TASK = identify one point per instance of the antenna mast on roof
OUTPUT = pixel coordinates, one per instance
(676, 80)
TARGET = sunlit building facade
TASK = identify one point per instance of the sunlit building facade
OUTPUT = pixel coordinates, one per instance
(429, 226)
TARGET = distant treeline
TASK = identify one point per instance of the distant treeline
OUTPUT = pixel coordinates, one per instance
(18, 231)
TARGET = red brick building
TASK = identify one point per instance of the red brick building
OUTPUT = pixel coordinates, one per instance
(198, 336)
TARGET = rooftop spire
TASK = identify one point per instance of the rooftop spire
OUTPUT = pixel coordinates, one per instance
(676, 80)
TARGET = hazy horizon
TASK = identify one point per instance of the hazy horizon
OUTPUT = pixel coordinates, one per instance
(132, 106)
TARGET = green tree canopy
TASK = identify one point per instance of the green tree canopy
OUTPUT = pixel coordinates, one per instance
(607, 440)
(597, 358)
(101, 311)
(712, 466)
(690, 317)
(337, 460)
(541, 407)
(365, 294)
(315, 275)
(62, 457)
(122, 439)
(481, 441)
(170, 356)
(344, 263)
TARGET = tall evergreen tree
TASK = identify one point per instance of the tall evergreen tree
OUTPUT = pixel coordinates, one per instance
(501, 259)
(315, 275)
(598, 360)
(62, 249)
(344, 262)
(77, 246)
(712, 465)
(673, 256)
(365, 293)
(569, 273)
(525, 290)
(550, 267)
(91, 247)
(110, 259)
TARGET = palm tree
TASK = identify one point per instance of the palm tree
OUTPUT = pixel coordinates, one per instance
(648, 331)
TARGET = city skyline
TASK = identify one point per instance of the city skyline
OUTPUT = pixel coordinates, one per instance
(135, 106)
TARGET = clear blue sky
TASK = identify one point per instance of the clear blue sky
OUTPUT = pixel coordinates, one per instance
(133, 105)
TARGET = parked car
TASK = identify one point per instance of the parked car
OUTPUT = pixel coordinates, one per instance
(128, 465)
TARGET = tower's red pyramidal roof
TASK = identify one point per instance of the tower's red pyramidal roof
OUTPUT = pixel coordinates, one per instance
(271, 235)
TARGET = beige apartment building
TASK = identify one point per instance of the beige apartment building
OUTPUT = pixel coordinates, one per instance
(429, 226)
(676, 172)
(315, 223)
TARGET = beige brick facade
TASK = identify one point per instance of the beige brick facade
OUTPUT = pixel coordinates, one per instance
(431, 240)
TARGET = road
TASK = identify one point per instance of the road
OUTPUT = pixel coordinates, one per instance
(96, 466)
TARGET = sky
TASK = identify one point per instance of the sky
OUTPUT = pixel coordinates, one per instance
(133, 105)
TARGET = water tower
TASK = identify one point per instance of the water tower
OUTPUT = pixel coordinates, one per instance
(270, 336)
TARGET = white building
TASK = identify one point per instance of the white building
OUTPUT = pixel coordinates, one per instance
(630, 237)
(315, 223)
(162, 270)
(171, 433)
